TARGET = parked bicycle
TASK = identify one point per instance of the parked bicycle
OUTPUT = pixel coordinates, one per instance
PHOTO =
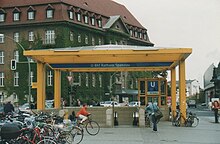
(91, 126)
(190, 121)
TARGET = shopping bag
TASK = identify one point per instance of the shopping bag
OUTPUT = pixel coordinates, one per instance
(158, 114)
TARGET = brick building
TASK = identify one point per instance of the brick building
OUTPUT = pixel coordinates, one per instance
(44, 24)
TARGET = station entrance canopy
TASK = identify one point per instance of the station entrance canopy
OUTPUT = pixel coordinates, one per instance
(110, 58)
(107, 58)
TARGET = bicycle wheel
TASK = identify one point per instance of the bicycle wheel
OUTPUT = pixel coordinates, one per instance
(195, 122)
(92, 127)
(77, 134)
(65, 137)
(47, 141)
(47, 131)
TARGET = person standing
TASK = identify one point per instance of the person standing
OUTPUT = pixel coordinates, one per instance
(215, 108)
(78, 102)
(151, 108)
(8, 108)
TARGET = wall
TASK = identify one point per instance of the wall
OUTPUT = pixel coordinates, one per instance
(124, 115)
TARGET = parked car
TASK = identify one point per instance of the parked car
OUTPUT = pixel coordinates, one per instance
(134, 104)
(110, 104)
(192, 103)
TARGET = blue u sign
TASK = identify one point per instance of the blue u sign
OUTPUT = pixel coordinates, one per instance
(152, 87)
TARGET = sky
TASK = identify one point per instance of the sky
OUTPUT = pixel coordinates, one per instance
(183, 24)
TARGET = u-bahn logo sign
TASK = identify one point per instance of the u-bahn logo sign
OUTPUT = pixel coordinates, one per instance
(111, 65)
(152, 88)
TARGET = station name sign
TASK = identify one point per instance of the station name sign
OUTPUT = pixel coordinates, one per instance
(111, 65)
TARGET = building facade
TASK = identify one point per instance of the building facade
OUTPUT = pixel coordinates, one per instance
(212, 82)
(45, 24)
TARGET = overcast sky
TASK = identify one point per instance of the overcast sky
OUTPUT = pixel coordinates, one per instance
(182, 23)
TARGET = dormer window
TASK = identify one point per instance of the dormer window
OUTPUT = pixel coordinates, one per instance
(86, 19)
(50, 12)
(31, 13)
(78, 16)
(131, 32)
(2, 15)
(140, 35)
(136, 34)
(71, 15)
(71, 12)
(145, 36)
(16, 14)
(92, 21)
(99, 21)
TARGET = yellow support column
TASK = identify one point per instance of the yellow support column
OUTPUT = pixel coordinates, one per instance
(57, 89)
(182, 90)
(41, 94)
(173, 91)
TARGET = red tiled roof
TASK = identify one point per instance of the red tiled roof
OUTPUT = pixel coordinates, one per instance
(103, 7)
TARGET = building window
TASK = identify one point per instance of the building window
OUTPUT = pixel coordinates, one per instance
(93, 41)
(31, 36)
(136, 34)
(86, 39)
(50, 37)
(100, 80)
(49, 78)
(87, 79)
(86, 19)
(31, 78)
(78, 17)
(16, 77)
(71, 36)
(140, 35)
(145, 36)
(93, 80)
(99, 23)
(1, 57)
(50, 13)
(16, 55)
(16, 37)
(71, 15)
(2, 17)
(31, 15)
(79, 38)
(16, 16)
(92, 21)
(2, 38)
(100, 41)
(131, 32)
(2, 79)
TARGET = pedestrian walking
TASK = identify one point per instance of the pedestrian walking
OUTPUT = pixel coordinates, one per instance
(215, 107)
(151, 109)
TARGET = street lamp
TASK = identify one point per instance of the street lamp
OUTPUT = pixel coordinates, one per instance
(29, 67)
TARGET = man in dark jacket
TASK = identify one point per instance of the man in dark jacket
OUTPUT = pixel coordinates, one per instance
(8, 108)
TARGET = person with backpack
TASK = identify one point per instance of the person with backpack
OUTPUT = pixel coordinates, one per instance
(151, 109)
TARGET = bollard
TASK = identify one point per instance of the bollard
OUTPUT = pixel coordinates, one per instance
(115, 119)
(135, 118)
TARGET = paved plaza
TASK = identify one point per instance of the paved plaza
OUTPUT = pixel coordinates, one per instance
(206, 132)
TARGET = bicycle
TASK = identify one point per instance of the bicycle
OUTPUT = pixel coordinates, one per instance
(148, 120)
(91, 126)
(190, 121)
